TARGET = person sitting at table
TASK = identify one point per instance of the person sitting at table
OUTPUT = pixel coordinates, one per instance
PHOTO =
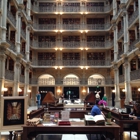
(135, 114)
(95, 109)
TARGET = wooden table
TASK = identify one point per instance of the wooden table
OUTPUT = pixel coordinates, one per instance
(74, 128)
(121, 121)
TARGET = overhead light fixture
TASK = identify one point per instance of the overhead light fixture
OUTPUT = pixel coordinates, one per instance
(113, 90)
(138, 89)
(29, 90)
(19, 90)
(123, 90)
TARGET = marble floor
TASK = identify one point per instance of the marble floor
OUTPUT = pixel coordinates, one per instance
(126, 135)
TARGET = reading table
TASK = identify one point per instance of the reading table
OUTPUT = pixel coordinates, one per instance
(75, 128)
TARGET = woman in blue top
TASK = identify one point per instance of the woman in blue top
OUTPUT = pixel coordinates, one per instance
(95, 109)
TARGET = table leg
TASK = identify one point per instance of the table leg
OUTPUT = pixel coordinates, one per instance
(10, 135)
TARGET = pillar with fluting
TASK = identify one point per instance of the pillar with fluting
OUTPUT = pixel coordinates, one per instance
(115, 28)
(28, 42)
(17, 68)
(4, 21)
(28, 8)
(116, 84)
(128, 94)
(126, 34)
(114, 7)
(18, 31)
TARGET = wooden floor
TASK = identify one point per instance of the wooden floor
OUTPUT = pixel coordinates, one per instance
(4, 136)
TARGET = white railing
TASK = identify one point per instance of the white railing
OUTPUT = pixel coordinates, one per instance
(46, 81)
(71, 62)
(98, 62)
(44, 62)
(9, 75)
(12, 46)
(43, 44)
(22, 78)
(11, 17)
(71, 9)
(135, 74)
(98, 26)
(23, 33)
(121, 78)
(44, 26)
(133, 17)
(71, 44)
(71, 26)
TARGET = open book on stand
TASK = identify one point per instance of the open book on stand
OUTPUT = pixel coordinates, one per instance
(92, 120)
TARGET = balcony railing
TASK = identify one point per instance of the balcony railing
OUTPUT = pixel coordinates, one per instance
(44, 62)
(98, 62)
(71, 26)
(98, 26)
(121, 78)
(109, 81)
(46, 81)
(132, 45)
(71, 9)
(71, 44)
(9, 75)
(11, 17)
(71, 62)
(120, 33)
(120, 53)
(23, 33)
(99, 8)
(134, 75)
(133, 17)
(45, 26)
(37, 44)
(12, 46)
(22, 78)
(99, 44)
(33, 81)
(44, 9)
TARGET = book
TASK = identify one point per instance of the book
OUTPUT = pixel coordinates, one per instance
(92, 120)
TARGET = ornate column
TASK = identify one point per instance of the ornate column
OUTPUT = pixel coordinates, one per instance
(114, 7)
(2, 75)
(17, 68)
(28, 28)
(128, 93)
(115, 28)
(28, 8)
(126, 33)
(26, 87)
(18, 31)
(3, 20)
(116, 84)
(139, 14)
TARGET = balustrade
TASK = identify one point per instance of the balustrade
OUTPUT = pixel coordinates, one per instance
(71, 62)
(9, 75)
(98, 26)
(120, 33)
(23, 33)
(33, 81)
(43, 44)
(11, 17)
(71, 26)
(46, 81)
(71, 44)
(133, 17)
(109, 81)
(22, 78)
(71, 9)
(132, 45)
(134, 75)
(45, 26)
(44, 62)
(98, 62)
(121, 78)
(12, 46)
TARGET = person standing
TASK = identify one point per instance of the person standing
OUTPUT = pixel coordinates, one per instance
(104, 98)
(38, 99)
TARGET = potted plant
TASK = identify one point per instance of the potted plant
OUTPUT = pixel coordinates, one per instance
(108, 117)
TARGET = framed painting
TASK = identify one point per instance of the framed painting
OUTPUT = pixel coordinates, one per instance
(14, 110)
